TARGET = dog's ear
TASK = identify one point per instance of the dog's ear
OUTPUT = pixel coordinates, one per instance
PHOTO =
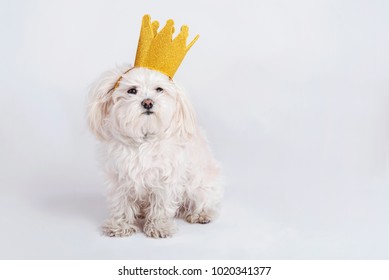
(184, 118)
(100, 103)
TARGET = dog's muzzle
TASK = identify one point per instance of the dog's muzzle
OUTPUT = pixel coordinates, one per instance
(147, 104)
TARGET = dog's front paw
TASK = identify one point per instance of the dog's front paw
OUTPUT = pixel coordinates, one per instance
(159, 228)
(200, 218)
(118, 229)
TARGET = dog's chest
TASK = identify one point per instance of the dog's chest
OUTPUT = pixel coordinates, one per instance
(152, 164)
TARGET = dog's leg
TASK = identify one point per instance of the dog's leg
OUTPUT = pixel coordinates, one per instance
(202, 205)
(201, 216)
(123, 211)
(160, 217)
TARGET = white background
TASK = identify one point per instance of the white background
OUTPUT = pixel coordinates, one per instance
(293, 96)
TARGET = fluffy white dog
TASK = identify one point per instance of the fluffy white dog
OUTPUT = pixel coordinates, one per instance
(157, 159)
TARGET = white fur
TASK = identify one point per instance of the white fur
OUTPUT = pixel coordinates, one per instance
(159, 166)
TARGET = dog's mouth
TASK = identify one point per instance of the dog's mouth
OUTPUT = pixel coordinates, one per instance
(148, 113)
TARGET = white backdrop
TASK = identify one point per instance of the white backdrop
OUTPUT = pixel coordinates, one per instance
(293, 96)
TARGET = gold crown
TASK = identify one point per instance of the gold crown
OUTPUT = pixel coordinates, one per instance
(159, 51)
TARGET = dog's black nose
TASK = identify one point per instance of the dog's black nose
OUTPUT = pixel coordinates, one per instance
(147, 103)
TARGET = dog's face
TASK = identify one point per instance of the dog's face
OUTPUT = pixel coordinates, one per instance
(145, 104)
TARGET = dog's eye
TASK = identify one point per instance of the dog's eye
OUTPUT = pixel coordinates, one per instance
(159, 89)
(132, 90)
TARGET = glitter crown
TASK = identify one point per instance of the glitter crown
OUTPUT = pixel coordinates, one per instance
(158, 50)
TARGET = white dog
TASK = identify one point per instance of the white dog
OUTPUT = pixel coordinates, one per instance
(157, 160)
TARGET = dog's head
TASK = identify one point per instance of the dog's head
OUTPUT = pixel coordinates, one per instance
(145, 104)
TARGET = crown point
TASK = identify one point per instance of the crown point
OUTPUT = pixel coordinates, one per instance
(185, 29)
(192, 43)
(146, 18)
(155, 26)
(170, 22)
